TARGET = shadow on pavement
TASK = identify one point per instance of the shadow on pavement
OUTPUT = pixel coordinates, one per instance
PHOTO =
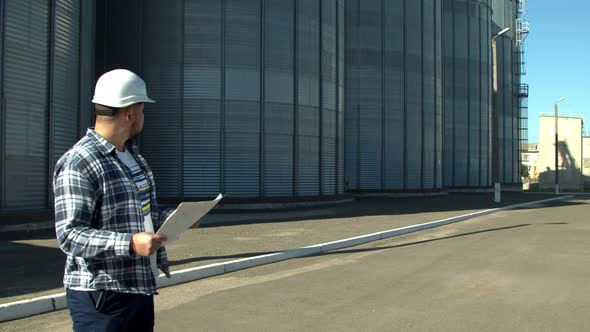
(364, 207)
(29, 268)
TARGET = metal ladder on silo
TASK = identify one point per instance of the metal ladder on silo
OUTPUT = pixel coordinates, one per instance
(522, 93)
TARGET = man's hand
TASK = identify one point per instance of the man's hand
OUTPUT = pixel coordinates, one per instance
(145, 244)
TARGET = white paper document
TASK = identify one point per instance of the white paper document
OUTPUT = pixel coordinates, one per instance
(185, 215)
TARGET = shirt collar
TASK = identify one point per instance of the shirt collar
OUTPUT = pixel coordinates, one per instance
(104, 146)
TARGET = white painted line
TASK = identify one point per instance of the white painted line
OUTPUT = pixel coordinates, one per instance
(351, 242)
(187, 275)
(40, 305)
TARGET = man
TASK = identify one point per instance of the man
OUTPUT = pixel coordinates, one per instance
(106, 214)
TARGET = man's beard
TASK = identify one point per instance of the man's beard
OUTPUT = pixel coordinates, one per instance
(135, 133)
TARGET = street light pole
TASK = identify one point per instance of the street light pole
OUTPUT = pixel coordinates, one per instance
(557, 147)
(495, 129)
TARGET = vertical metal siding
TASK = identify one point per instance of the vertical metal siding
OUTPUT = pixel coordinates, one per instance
(278, 91)
(253, 85)
(26, 75)
(449, 93)
(504, 15)
(242, 99)
(340, 118)
(393, 102)
(439, 92)
(39, 84)
(506, 101)
(461, 109)
(3, 190)
(308, 99)
(351, 95)
(393, 99)
(513, 167)
(65, 77)
(485, 86)
(429, 98)
(414, 54)
(370, 95)
(329, 58)
(467, 85)
(504, 111)
(162, 71)
(86, 65)
(122, 32)
(509, 139)
(516, 74)
(473, 94)
(202, 98)
(516, 118)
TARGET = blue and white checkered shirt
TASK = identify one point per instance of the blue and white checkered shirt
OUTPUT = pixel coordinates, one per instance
(97, 209)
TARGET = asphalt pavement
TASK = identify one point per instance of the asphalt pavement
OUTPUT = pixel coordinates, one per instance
(33, 263)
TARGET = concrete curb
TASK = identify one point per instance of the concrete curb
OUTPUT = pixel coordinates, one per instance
(45, 304)
(39, 305)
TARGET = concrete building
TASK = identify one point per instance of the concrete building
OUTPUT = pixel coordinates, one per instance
(586, 160)
(530, 159)
(569, 153)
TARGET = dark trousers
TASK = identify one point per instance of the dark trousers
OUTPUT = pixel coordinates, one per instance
(102, 310)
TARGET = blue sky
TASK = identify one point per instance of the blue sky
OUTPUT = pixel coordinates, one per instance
(557, 60)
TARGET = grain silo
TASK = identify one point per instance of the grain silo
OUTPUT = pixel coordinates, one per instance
(44, 79)
(393, 95)
(249, 93)
(467, 93)
(266, 100)
(504, 16)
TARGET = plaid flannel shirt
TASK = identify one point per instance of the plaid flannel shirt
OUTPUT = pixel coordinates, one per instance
(97, 209)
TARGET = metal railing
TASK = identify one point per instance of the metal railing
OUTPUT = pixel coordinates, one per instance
(523, 90)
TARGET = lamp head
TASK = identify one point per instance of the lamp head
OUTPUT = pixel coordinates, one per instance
(503, 31)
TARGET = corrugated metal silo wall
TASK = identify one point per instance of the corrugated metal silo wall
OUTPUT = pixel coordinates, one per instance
(249, 95)
(504, 16)
(40, 79)
(393, 95)
(467, 93)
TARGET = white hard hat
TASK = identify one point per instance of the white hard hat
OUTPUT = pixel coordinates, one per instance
(120, 88)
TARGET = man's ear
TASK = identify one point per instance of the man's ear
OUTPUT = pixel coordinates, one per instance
(129, 113)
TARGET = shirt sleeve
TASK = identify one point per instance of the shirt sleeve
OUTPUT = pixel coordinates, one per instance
(75, 203)
(162, 254)
(163, 214)
(162, 260)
